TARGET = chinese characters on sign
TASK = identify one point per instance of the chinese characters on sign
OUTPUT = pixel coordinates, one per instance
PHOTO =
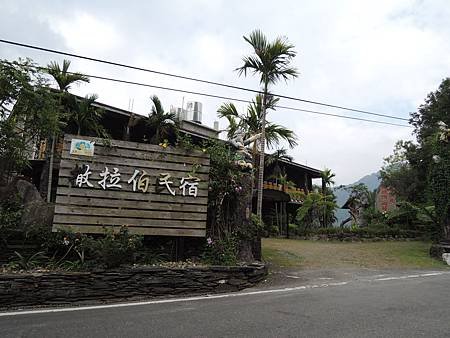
(140, 181)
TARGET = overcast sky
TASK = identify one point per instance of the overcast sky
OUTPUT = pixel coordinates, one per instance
(382, 56)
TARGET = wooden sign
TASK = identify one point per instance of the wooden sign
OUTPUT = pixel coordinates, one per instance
(150, 189)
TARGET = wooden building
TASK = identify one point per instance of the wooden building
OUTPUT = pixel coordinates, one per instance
(285, 183)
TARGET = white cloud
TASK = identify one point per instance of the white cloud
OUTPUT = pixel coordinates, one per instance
(84, 33)
(382, 56)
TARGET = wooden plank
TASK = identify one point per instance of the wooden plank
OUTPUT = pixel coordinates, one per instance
(148, 156)
(136, 163)
(132, 213)
(138, 196)
(67, 166)
(104, 220)
(155, 212)
(134, 230)
(137, 146)
(152, 189)
(125, 204)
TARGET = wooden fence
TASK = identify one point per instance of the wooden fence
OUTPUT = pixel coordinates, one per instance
(150, 189)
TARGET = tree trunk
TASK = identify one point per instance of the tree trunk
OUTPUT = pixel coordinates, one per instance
(261, 155)
(243, 219)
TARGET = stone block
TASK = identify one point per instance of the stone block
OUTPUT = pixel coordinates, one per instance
(446, 258)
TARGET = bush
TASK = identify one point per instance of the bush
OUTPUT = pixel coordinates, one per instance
(10, 216)
(221, 251)
(370, 232)
(115, 248)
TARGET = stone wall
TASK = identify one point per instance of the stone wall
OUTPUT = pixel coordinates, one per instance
(71, 287)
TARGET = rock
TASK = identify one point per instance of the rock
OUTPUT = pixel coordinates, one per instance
(74, 287)
(35, 209)
(446, 258)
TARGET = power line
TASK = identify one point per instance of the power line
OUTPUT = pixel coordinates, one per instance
(230, 98)
(194, 79)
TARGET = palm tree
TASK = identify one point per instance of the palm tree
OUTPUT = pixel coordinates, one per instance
(251, 123)
(63, 77)
(87, 117)
(327, 179)
(274, 159)
(271, 61)
(162, 124)
(277, 156)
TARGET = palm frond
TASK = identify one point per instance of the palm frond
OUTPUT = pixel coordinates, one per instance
(275, 133)
(227, 109)
(157, 108)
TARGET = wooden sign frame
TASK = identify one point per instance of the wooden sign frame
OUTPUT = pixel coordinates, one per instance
(153, 190)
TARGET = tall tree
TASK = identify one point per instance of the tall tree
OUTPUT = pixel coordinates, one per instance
(28, 111)
(64, 80)
(419, 172)
(272, 62)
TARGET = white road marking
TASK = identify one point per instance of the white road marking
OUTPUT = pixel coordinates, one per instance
(198, 298)
(174, 300)
(412, 276)
(290, 276)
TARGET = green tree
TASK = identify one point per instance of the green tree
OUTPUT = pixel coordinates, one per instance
(162, 125)
(317, 210)
(63, 77)
(251, 123)
(87, 117)
(279, 155)
(420, 171)
(28, 113)
(272, 62)
(327, 179)
(67, 106)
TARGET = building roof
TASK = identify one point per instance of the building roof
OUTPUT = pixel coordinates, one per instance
(315, 173)
(189, 127)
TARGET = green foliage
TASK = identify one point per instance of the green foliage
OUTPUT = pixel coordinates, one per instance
(28, 112)
(63, 77)
(161, 125)
(251, 123)
(23, 262)
(367, 232)
(317, 210)
(271, 60)
(13, 150)
(224, 186)
(420, 172)
(10, 216)
(221, 251)
(405, 172)
(327, 177)
(86, 117)
(115, 248)
(185, 141)
(255, 228)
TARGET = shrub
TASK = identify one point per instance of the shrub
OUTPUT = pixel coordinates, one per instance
(115, 248)
(221, 251)
(10, 216)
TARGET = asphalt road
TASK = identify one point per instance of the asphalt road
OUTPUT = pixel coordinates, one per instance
(398, 305)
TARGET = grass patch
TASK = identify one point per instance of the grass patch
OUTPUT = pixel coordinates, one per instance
(316, 255)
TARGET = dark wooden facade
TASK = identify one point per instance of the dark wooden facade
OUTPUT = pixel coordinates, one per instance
(279, 201)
